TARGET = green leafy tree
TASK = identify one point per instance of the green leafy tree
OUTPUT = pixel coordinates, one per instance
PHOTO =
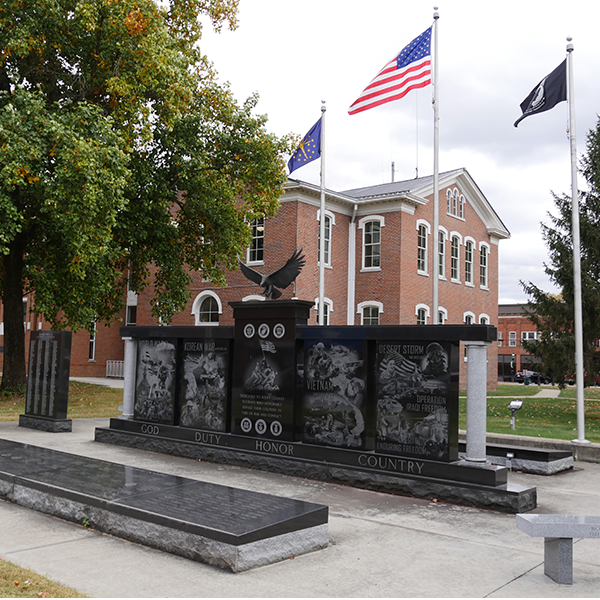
(121, 158)
(552, 314)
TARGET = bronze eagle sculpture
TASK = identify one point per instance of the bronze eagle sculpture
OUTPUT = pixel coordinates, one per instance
(279, 279)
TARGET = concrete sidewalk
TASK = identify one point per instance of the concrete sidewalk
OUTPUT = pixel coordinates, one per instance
(380, 545)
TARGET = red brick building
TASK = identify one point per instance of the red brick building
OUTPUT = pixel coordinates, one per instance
(513, 329)
(381, 257)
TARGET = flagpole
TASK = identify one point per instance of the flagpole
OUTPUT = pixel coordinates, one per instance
(322, 222)
(579, 366)
(436, 173)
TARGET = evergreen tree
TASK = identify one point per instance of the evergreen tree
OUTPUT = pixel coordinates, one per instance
(553, 315)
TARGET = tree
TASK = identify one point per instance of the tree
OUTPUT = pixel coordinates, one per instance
(121, 159)
(553, 315)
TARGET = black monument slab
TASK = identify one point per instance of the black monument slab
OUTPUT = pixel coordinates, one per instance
(228, 527)
(417, 399)
(264, 377)
(48, 382)
(204, 380)
(155, 381)
(334, 395)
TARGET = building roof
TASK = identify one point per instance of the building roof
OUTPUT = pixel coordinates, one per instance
(409, 193)
(511, 309)
(396, 188)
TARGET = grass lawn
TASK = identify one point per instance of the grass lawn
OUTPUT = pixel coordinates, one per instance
(506, 389)
(541, 417)
(85, 401)
(16, 582)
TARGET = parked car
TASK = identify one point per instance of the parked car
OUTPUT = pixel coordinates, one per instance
(533, 376)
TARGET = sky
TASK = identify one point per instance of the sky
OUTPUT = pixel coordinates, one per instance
(491, 55)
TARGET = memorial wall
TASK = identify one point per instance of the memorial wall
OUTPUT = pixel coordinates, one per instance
(384, 390)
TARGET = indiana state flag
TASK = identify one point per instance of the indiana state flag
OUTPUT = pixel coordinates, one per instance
(309, 148)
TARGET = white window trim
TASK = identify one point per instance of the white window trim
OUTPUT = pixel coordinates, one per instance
(487, 266)
(361, 305)
(472, 240)
(512, 339)
(442, 256)
(331, 216)
(198, 302)
(444, 312)
(256, 262)
(428, 228)
(484, 316)
(361, 225)
(455, 234)
(427, 311)
(327, 301)
(471, 314)
(452, 194)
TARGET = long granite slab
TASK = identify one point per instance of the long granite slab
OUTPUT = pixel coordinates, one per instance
(220, 525)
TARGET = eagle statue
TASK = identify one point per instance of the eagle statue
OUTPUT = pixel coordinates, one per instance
(279, 279)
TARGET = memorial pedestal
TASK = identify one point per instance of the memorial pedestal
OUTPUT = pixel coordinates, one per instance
(48, 382)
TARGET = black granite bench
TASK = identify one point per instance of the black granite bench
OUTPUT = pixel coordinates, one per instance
(540, 461)
(559, 531)
(223, 526)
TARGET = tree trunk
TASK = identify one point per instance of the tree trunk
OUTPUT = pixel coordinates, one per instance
(14, 375)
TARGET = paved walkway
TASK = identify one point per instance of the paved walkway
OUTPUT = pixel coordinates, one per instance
(381, 545)
(108, 381)
(547, 393)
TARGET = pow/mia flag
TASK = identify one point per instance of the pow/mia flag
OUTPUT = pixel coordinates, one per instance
(547, 93)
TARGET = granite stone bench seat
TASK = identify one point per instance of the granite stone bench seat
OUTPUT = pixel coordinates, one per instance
(559, 531)
(227, 527)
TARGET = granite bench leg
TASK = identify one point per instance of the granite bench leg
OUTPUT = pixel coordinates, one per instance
(558, 559)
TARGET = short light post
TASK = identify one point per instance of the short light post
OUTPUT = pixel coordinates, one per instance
(514, 406)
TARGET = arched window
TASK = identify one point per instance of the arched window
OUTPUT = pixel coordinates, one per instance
(455, 202)
(484, 253)
(469, 250)
(329, 222)
(455, 257)
(442, 237)
(469, 318)
(442, 315)
(206, 308)
(327, 310)
(422, 314)
(422, 233)
(371, 255)
(257, 245)
(370, 312)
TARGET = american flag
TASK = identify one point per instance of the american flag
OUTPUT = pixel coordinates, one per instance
(409, 70)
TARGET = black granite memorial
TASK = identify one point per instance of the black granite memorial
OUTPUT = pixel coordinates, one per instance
(155, 381)
(47, 397)
(373, 407)
(265, 367)
(335, 389)
(417, 399)
(227, 527)
(204, 384)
